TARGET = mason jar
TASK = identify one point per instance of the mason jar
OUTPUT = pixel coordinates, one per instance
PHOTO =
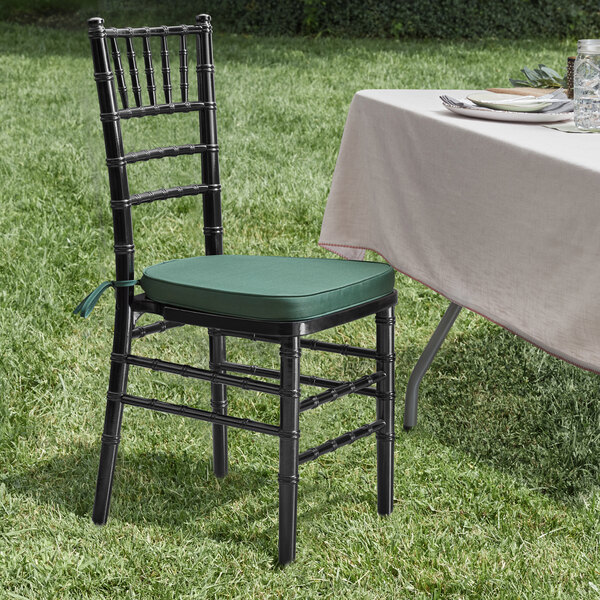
(586, 85)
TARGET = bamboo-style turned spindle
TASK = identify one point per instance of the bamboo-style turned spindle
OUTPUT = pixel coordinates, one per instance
(151, 84)
(166, 69)
(133, 72)
(183, 69)
(119, 72)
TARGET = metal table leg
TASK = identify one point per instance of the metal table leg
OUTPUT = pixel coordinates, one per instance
(424, 362)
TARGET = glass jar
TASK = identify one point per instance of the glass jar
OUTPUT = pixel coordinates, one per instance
(586, 85)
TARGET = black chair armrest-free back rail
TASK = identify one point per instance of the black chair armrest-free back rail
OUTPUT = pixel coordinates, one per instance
(122, 87)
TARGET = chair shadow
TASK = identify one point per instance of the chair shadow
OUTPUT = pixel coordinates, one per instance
(155, 487)
(172, 491)
(514, 407)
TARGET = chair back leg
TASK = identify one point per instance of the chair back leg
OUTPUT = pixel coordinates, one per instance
(385, 410)
(219, 405)
(288, 447)
(111, 436)
(108, 459)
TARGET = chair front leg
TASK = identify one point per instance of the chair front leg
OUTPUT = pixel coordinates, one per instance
(219, 405)
(288, 447)
(385, 410)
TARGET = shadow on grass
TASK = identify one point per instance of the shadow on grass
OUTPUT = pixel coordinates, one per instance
(173, 491)
(157, 487)
(516, 408)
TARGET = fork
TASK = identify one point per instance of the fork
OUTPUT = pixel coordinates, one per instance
(452, 101)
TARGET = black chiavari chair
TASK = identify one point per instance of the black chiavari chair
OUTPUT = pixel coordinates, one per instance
(267, 299)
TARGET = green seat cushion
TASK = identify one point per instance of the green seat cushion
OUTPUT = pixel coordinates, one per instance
(267, 287)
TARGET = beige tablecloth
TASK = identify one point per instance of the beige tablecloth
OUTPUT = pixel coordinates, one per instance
(501, 218)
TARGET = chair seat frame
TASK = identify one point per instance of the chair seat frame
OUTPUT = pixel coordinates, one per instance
(287, 334)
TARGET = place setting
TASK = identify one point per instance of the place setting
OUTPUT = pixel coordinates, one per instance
(548, 108)
(568, 103)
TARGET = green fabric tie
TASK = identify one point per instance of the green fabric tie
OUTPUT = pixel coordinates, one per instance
(85, 307)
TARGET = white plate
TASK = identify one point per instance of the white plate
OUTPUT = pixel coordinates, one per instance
(506, 115)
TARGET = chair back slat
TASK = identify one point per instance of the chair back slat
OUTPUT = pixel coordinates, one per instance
(133, 72)
(151, 84)
(128, 32)
(143, 155)
(183, 68)
(177, 192)
(119, 72)
(166, 69)
(163, 109)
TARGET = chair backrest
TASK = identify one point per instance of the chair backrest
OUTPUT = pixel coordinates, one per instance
(108, 66)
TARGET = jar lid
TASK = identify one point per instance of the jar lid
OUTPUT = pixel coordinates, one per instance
(588, 46)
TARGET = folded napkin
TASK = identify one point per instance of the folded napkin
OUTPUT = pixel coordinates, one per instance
(559, 102)
(569, 127)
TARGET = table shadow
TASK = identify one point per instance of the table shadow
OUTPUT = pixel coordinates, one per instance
(514, 407)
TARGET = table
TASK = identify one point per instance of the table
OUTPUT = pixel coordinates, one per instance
(500, 218)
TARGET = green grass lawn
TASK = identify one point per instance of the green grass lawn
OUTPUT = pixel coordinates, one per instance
(497, 490)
